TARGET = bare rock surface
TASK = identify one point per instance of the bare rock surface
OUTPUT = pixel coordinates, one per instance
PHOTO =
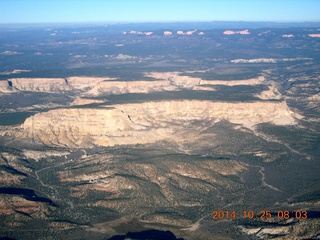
(40, 84)
(146, 122)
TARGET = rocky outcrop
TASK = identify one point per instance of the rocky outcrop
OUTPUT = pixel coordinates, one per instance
(38, 155)
(252, 81)
(290, 229)
(314, 35)
(230, 32)
(85, 83)
(138, 33)
(146, 122)
(120, 87)
(10, 204)
(7, 178)
(40, 84)
(269, 60)
(84, 101)
(271, 93)
(94, 86)
(194, 83)
(4, 87)
(52, 84)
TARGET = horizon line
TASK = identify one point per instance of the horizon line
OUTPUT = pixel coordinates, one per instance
(174, 21)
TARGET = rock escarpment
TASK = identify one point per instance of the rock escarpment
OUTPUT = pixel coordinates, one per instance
(50, 85)
(93, 86)
(40, 84)
(121, 87)
(146, 122)
(4, 87)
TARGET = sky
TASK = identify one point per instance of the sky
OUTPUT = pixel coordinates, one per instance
(112, 11)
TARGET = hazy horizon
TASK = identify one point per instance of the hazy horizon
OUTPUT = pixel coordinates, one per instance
(174, 25)
(142, 11)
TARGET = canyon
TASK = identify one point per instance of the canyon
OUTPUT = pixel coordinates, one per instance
(92, 119)
(104, 133)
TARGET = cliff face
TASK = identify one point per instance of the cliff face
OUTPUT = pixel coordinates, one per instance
(4, 87)
(191, 82)
(40, 84)
(51, 84)
(85, 83)
(249, 82)
(164, 81)
(145, 122)
(120, 87)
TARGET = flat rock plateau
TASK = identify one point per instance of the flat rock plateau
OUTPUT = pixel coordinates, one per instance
(160, 130)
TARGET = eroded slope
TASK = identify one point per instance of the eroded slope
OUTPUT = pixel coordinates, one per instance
(147, 122)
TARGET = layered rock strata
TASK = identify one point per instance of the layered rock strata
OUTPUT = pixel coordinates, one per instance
(121, 87)
(51, 84)
(165, 81)
(39, 84)
(145, 122)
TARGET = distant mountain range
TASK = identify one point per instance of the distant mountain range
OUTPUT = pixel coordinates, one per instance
(171, 25)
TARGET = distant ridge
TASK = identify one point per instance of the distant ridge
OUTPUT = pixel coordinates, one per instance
(170, 25)
(218, 25)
